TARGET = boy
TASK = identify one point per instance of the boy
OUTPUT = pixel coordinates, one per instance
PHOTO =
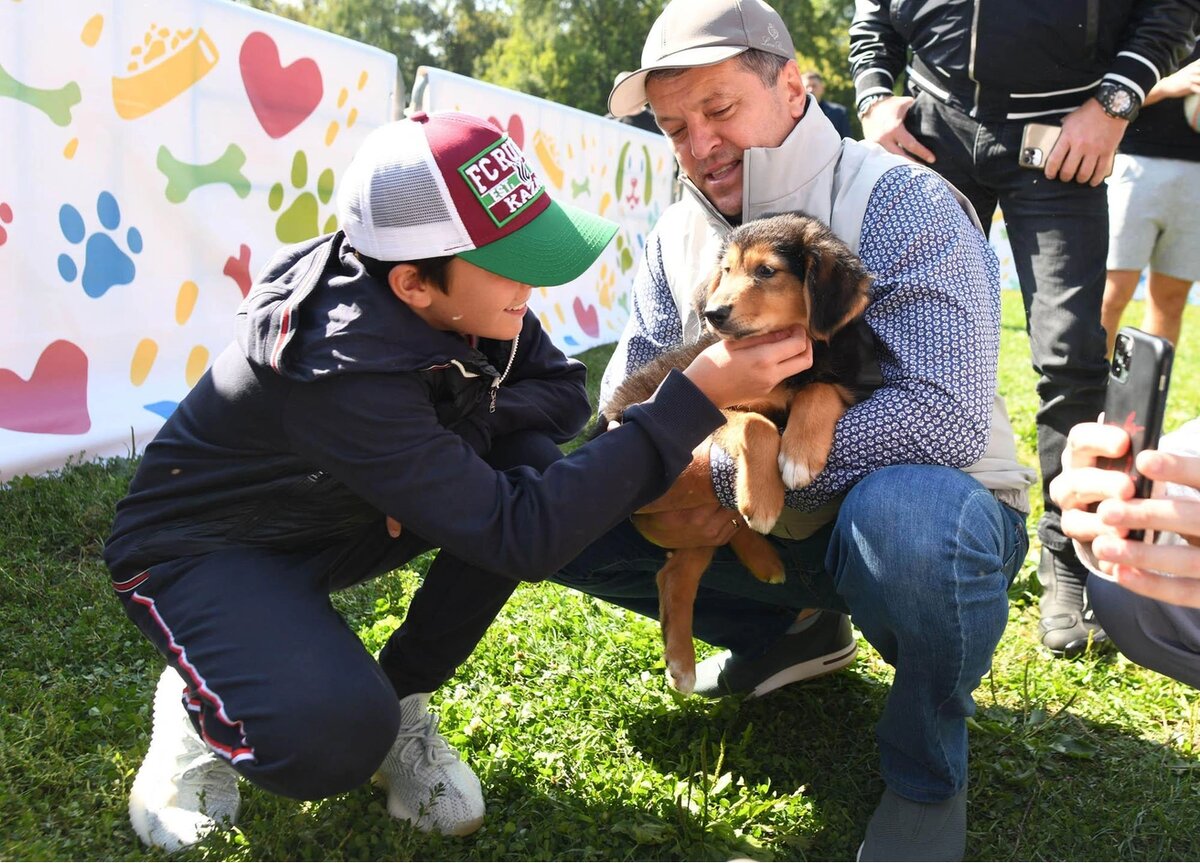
(389, 369)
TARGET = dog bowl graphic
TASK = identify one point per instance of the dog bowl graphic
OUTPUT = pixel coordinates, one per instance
(163, 66)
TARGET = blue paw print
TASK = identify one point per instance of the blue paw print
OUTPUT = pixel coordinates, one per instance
(105, 265)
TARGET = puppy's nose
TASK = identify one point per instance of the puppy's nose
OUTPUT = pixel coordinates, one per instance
(718, 316)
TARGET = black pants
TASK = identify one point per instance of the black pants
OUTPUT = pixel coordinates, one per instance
(278, 682)
(1059, 237)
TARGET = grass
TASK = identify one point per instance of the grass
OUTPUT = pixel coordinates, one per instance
(583, 751)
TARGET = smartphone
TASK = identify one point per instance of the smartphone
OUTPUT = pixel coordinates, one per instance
(1138, 378)
(1037, 140)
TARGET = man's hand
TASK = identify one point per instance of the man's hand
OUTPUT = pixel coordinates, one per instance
(1085, 149)
(1183, 83)
(884, 124)
(1135, 565)
(688, 515)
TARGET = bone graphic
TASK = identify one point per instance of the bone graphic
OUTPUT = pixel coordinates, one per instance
(55, 104)
(584, 188)
(183, 177)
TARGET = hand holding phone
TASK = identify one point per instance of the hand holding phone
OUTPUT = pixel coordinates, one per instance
(1037, 140)
(1139, 375)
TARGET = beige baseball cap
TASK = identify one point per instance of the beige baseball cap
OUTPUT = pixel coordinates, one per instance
(700, 33)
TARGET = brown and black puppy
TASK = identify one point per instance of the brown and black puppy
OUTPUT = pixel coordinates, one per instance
(773, 273)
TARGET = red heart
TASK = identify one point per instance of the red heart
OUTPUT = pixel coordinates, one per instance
(54, 399)
(589, 321)
(282, 96)
(515, 129)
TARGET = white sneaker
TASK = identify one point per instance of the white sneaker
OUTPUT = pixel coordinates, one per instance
(426, 781)
(183, 789)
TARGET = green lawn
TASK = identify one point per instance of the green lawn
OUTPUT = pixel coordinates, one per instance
(583, 751)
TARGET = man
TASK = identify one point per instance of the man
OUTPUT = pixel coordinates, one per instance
(391, 367)
(1147, 594)
(920, 552)
(1152, 200)
(979, 73)
(837, 114)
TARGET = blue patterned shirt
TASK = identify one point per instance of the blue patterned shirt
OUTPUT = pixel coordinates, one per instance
(935, 313)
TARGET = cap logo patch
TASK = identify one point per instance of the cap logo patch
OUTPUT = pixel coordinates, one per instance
(502, 181)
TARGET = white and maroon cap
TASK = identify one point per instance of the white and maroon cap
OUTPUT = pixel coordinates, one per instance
(700, 33)
(453, 184)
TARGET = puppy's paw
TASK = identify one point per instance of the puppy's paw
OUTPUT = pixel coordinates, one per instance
(761, 515)
(796, 473)
(681, 679)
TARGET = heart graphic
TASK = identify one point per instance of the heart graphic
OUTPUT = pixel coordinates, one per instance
(54, 399)
(589, 321)
(282, 96)
(515, 129)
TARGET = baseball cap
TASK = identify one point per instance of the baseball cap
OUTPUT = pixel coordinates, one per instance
(700, 33)
(452, 184)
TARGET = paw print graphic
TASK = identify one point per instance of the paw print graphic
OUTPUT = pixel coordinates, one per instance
(608, 280)
(105, 263)
(300, 220)
(624, 253)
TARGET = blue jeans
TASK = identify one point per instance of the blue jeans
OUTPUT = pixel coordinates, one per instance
(1059, 237)
(920, 556)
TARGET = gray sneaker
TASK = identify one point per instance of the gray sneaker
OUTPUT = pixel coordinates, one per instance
(826, 646)
(903, 829)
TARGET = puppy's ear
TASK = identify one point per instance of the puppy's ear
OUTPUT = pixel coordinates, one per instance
(710, 287)
(837, 286)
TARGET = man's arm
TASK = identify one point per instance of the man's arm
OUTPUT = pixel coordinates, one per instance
(1158, 36)
(935, 313)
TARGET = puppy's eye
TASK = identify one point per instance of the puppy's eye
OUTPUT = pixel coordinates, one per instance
(764, 272)
(725, 269)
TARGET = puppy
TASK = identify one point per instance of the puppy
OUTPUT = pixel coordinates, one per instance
(773, 273)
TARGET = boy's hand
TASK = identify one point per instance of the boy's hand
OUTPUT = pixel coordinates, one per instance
(704, 525)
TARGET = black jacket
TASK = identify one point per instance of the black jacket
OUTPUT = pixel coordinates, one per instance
(1017, 59)
(337, 404)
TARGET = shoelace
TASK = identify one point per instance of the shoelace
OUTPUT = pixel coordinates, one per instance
(434, 749)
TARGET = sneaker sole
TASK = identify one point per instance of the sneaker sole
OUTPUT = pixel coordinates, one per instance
(810, 670)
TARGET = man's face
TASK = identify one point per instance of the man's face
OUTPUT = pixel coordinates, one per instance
(814, 85)
(711, 114)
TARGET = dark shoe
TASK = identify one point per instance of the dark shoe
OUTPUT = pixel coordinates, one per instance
(826, 646)
(903, 829)
(1068, 624)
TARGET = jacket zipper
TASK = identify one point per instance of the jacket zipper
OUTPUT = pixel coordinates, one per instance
(499, 379)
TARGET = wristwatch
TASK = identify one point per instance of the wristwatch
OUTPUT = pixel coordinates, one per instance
(1118, 101)
(865, 103)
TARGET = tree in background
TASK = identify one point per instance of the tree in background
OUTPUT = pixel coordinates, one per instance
(567, 51)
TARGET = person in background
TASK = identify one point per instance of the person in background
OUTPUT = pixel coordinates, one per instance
(837, 114)
(389, 391)
(978, 74)
(1154, 220)
(1146, 594)
(927, 586)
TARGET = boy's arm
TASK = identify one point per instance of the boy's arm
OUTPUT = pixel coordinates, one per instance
(545, 390)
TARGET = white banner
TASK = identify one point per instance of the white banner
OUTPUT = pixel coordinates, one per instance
(153, 155)
(618, 171)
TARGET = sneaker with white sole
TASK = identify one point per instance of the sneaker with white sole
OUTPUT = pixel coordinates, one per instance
(183, 790)
(825, 646)
(427, 783)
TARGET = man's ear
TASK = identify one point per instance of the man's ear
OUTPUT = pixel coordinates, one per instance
(406, 284)
(796, 92)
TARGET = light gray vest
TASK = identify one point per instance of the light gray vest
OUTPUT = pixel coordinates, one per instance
(819, 173)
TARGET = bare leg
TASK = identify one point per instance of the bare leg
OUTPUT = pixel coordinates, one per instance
(1166, 297)
(1118, 291)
